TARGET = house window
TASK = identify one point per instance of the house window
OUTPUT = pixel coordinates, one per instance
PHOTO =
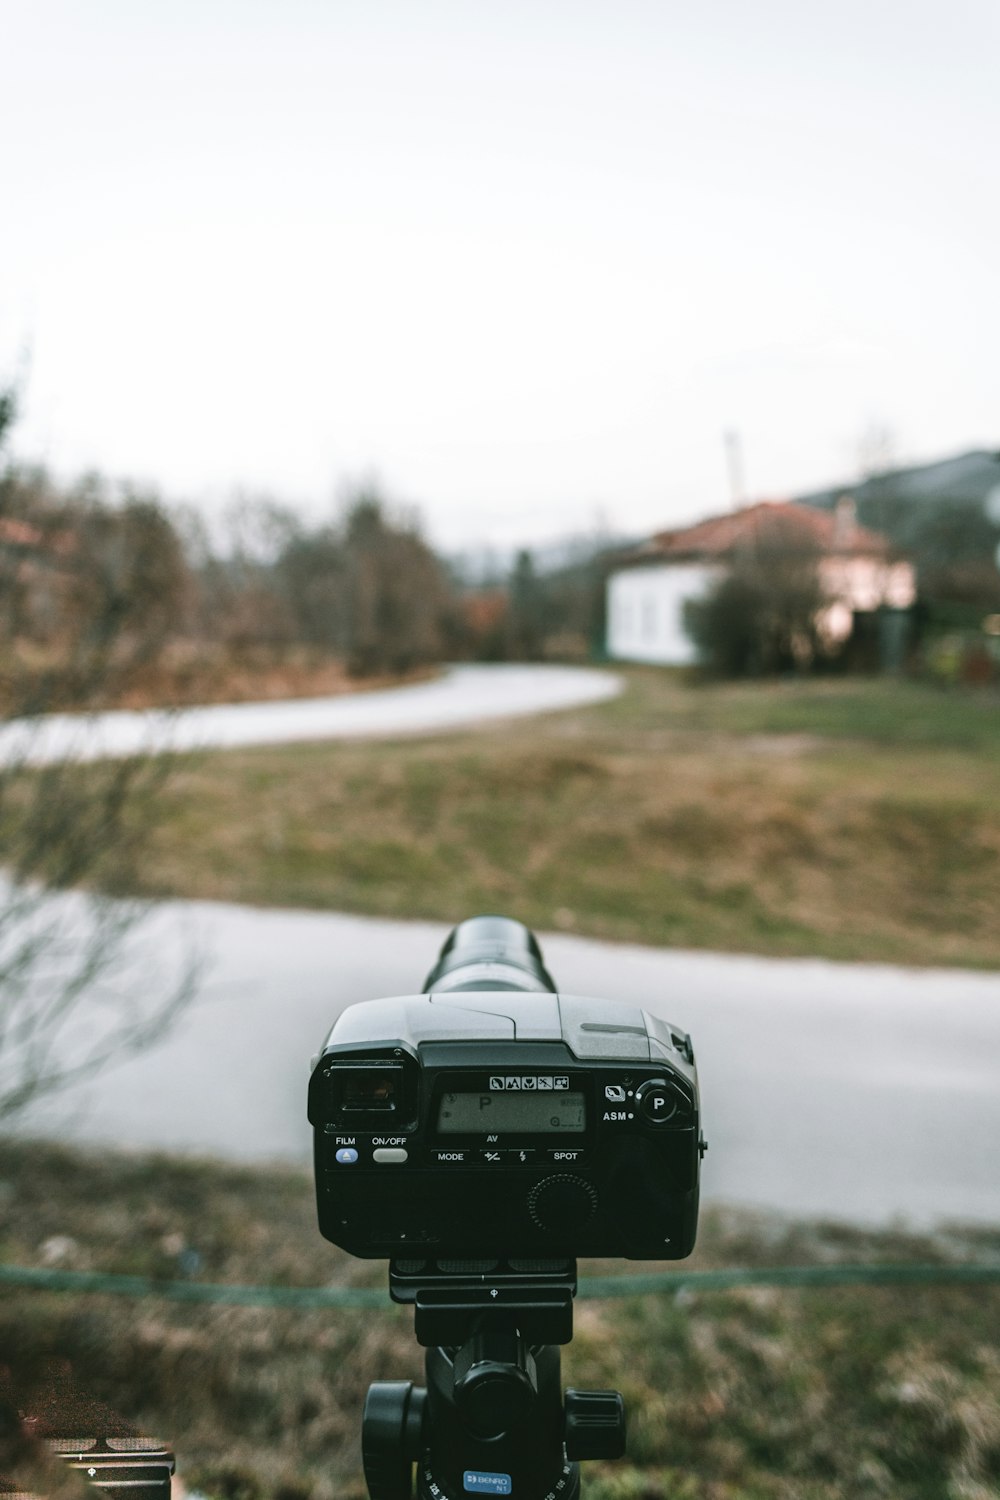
(649, 618)
(626, 618)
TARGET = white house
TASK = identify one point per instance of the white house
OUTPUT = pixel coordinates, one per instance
(647, 592)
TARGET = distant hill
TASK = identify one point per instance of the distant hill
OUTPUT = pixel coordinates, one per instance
(937, 514)
(962, 482)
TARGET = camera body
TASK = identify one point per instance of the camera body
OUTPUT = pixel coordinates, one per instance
(493, 1116)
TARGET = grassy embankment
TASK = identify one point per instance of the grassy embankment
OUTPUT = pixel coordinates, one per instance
(757, 1394)
(847, 819)
(39, 679)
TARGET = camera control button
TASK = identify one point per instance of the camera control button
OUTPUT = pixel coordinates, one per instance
(450, 1158)
(347, 1156)
(656, 1101)
(522, 1156)
(562, 1203)
(389, 1154)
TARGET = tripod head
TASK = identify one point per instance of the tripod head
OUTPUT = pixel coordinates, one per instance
(492, 1419)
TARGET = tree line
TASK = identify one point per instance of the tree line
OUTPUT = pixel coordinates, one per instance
(107, 594)
(104, 591)
(102, 584)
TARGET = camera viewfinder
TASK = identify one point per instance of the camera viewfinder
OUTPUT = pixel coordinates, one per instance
(373, 1090)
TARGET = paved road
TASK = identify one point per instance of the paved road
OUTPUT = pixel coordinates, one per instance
(464, 695)
(860, 1092)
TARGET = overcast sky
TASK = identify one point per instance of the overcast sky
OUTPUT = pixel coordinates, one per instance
(525, 261)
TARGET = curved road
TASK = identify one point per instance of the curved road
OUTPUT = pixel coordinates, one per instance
(859, 1092)
(464, 695)
(855, 1091)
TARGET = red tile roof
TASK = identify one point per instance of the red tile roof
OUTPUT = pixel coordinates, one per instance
(768, 524)
(26, 536)
(17, 533)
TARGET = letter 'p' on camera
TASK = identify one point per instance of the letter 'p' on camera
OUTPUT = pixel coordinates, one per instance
(492, 1114)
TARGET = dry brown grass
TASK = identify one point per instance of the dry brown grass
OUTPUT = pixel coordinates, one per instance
(186, 673)
(764, 1393)
(191, 673)
(676, 817)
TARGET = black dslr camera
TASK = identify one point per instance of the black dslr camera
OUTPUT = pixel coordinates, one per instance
(491, 1113)
(482, 1135)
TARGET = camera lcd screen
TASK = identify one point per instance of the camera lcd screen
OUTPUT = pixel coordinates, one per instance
(538, 1114)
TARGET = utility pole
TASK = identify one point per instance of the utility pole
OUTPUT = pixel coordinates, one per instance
(734, 465)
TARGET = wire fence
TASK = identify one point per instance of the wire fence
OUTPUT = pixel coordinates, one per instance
(593, 1288)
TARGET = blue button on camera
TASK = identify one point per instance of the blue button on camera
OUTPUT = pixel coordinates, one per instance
(346, 1155)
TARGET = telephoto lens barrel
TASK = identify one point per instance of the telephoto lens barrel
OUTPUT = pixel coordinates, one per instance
(490, 953)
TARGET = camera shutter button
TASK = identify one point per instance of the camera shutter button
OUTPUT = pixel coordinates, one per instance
(562, 1202)
(656, 1100)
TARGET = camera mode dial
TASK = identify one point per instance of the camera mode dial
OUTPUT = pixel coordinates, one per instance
(656, 1100)
(562, 1202)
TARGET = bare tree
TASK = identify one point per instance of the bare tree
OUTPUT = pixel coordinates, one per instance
(372, 588)
(83, 595)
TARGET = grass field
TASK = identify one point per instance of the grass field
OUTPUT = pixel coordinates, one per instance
(855, 820)
(847, 819)
(758, 1394)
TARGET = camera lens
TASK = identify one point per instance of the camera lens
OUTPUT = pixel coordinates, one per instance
(490, 953)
